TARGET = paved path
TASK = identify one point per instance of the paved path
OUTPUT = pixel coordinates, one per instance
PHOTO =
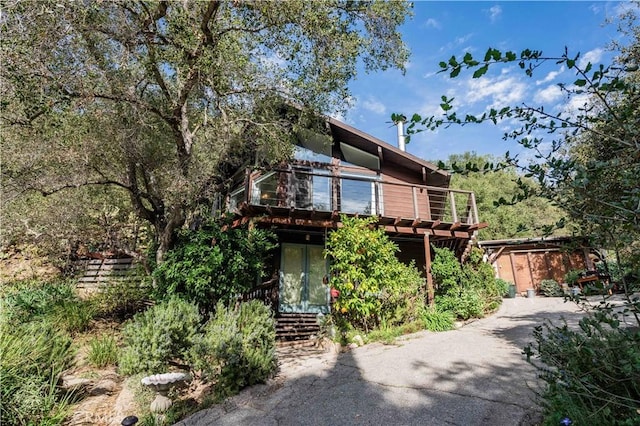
(475, 375)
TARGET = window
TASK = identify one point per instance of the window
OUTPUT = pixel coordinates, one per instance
(358, 195)
(265, 190)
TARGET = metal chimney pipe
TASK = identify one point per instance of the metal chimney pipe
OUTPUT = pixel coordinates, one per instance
(401, 135)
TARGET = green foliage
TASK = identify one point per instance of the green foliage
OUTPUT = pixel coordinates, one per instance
(469, 290)
(73, 316)
(103, 351)
(122, 299)
(375, 287)
(24, 301)
(212, 264)
(524, 219)
(387, 334)
(237, 348)
(503, 286)
(438, 319)
(145, 99)
(592, 374)
(32, 355)
(163, 333)
(572, 276)
(551, 288)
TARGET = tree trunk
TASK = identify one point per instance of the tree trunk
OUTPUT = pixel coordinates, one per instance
(166, 231)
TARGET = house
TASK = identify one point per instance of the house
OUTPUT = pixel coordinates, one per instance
(336, 170)
(527, 261)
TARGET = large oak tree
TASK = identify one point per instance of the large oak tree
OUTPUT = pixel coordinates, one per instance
(150, 97)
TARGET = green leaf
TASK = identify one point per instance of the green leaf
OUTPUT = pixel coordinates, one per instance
(481, 71)
(580, 82)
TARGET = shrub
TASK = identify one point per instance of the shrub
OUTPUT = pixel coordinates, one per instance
(551, 288)
(122, 298)
(375, 287)
(592, 374)
(32, 355)
(211, 265)
(103, 351)
(436, 320)
(26, 300)
(73, 316)
(163, 333)
(238, 347)
(469, 290)
(572, 276)
(503, 286)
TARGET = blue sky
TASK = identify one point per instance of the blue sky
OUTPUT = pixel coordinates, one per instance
(439, 30)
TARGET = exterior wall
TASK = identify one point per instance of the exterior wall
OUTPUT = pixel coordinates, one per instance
(527, 268)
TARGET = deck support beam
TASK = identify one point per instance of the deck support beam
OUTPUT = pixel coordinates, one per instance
(427, 265)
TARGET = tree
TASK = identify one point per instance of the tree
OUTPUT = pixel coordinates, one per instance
(528, 218)
(150, 97)
(591, 167)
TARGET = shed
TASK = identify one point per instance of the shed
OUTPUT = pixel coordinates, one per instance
(527, 261)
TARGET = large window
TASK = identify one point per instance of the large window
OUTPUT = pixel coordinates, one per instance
(358, 195)
(265, 190)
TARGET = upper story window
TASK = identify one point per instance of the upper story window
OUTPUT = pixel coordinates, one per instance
(305, 154)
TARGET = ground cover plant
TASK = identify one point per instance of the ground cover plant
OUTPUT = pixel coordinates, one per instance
(35, 347)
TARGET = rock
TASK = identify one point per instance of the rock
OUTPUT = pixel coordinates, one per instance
(104, 386)
(76, 384)
(357, 339)
(352, 345)
(125, 405)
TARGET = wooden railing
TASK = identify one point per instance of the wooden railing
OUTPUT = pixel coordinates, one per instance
(266, 292)
(320, 191)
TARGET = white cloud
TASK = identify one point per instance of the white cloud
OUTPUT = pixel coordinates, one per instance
(454, 45)
(592, 56)
(498, 92)
(595, 9)
(577, 102)
(548, 95)
(494, 12)
(432, 23)
(550, 77)
(374, 105)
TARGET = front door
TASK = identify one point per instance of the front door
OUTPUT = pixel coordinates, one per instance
(302, 271)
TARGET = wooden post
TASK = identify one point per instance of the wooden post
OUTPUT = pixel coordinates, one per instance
(416, 212)
(454, 213)
(427, 265)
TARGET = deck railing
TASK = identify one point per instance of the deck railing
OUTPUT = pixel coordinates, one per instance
(320, 191)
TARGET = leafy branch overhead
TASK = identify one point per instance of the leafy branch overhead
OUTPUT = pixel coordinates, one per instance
(584, 160)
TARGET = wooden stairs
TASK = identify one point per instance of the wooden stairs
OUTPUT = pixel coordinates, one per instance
(296, 328)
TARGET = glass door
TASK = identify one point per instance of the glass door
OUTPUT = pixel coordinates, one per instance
(302, 271)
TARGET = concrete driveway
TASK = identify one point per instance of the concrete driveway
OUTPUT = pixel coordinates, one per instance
(475, 375)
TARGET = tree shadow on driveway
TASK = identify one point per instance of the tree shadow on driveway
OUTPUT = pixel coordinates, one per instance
(476, 375)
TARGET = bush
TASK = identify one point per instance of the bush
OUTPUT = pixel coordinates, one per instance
(572, 276)
(103, 351)
(161, 334)
(211, 265)
(25, 301)
(551, 288)
(122, 299)
(375, 287)
(503, 286)
(469, 290)
(32, 356)
(435, 320)
(73, 316)
(237, 348)
(592, 373)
